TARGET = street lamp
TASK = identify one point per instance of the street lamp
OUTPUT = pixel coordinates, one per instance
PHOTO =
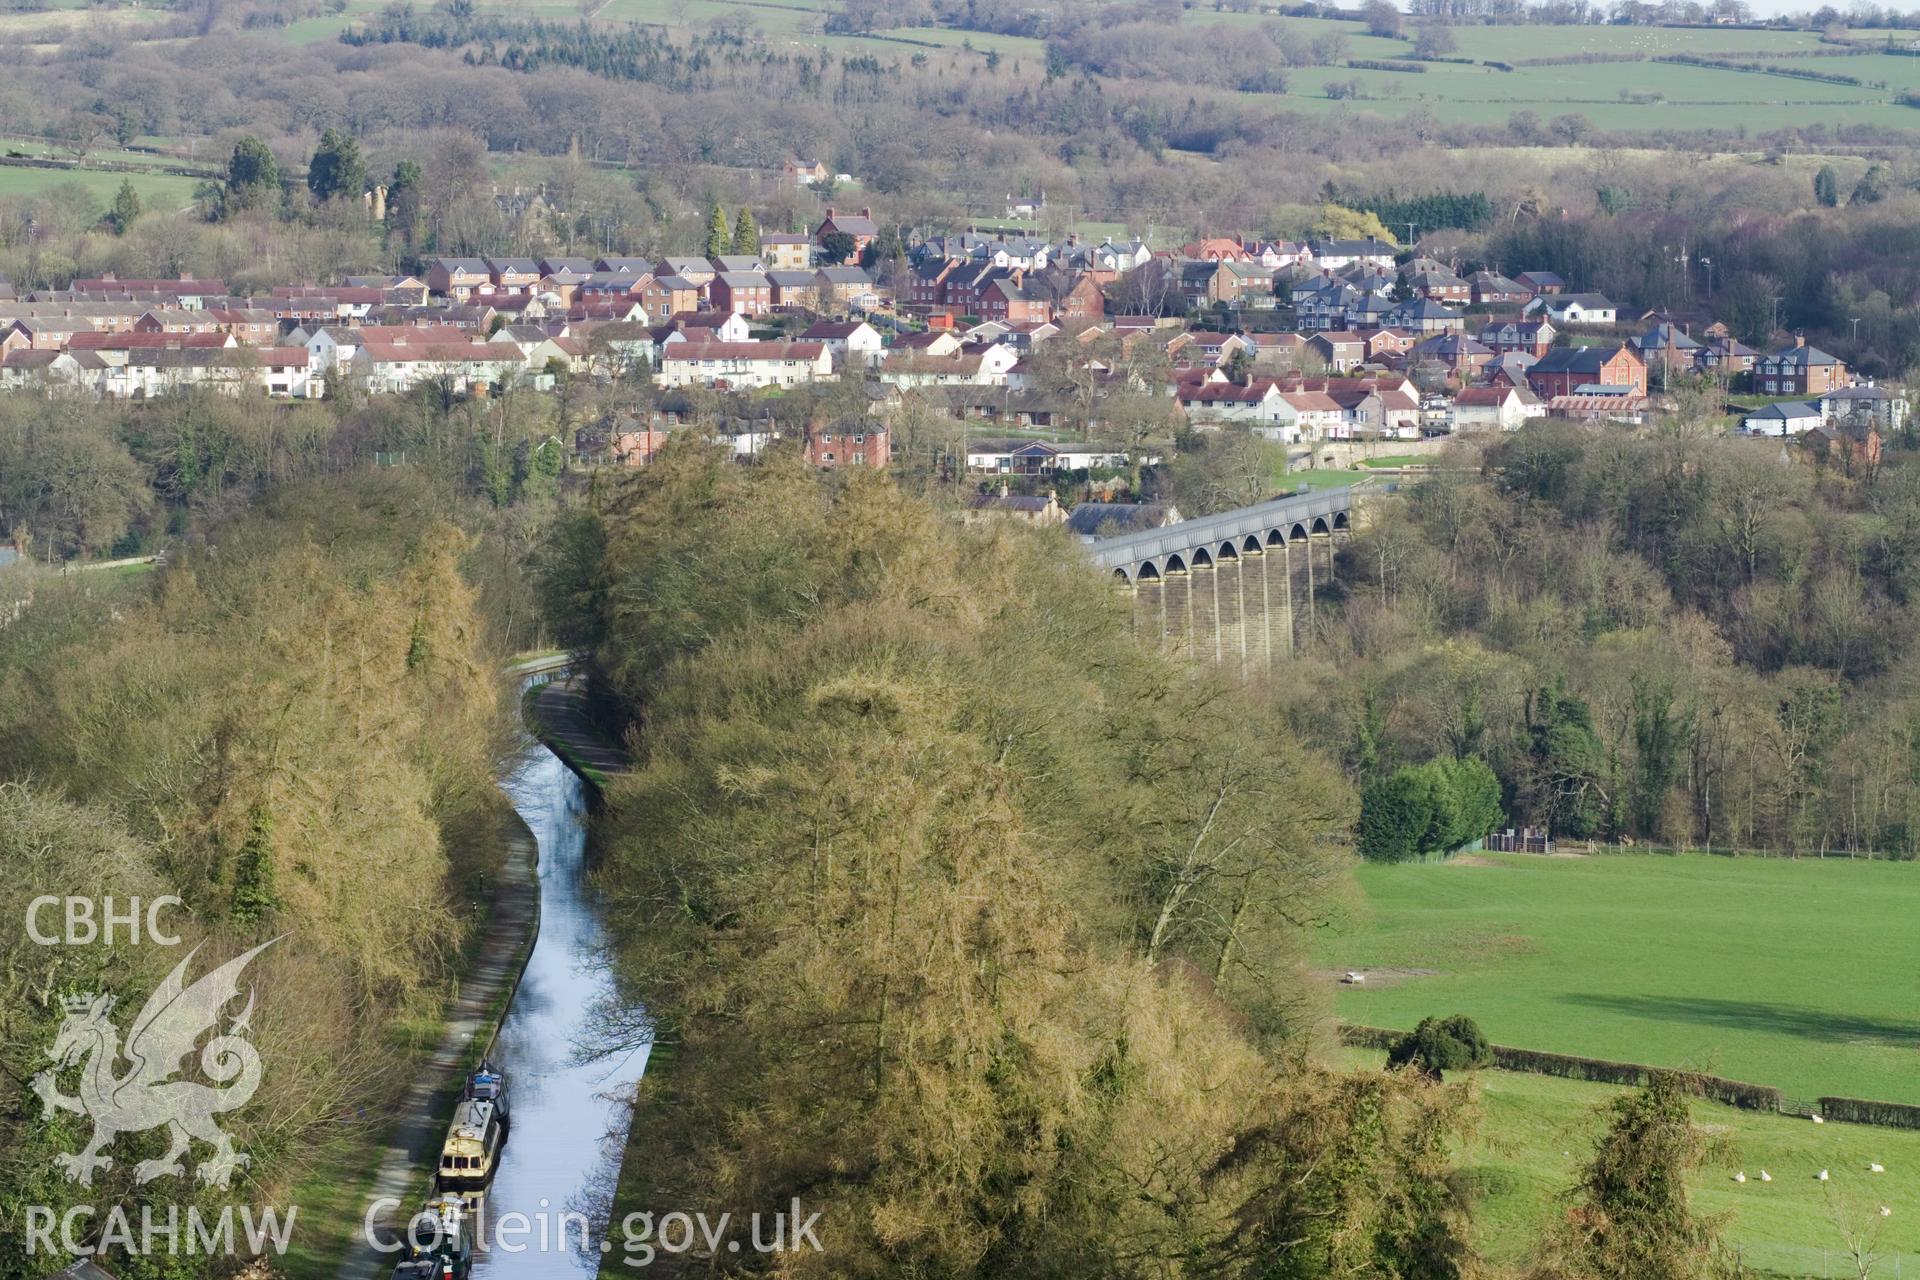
(1855, 322)
(1708, 264)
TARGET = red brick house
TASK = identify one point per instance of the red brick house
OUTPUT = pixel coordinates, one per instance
(459, 278)
(1007, 298)
(927, 283)
(749, 293)
(1564, 371)
(666, 295)
(850, 442)
(862, 228)
(1798, 370)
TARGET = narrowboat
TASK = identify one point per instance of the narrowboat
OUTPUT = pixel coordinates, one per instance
(440, 1247)
(489, 1084)
(472, 1145)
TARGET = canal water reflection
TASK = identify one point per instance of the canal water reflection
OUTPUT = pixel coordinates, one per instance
(569, 1118)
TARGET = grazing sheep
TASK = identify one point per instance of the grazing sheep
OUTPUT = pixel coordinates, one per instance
(1885, 1212)
(1739, 1177)
(1765, 1176)
(1822, 1175)
(1874, 1168)
(1818, 1120)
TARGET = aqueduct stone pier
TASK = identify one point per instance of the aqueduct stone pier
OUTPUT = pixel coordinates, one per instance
(1236, 588)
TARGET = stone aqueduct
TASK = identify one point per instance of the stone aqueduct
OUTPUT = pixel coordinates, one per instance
(1237, 588)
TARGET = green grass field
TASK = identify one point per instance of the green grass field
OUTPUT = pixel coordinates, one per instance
(1795, 974)
(157, 190)
(1694, 97)
(1535, 1130)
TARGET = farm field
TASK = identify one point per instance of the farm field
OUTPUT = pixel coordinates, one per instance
(157, 190)
(1794, 974)
(1535, 1130)
(1454, 93)
(1692, 97)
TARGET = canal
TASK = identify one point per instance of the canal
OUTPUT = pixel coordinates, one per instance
(569, 1112)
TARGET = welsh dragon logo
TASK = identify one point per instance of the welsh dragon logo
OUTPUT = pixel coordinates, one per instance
(145, 1096)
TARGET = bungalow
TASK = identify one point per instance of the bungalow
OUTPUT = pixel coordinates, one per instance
(1039, 458)
(1787, 418)
(1089, 521)
(1574, 308)
(1044, 510)
(743, 364)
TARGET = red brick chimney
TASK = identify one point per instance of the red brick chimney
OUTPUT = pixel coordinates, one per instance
(866, 213)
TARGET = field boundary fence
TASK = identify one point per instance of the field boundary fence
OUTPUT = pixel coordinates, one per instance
(1733, 1093)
